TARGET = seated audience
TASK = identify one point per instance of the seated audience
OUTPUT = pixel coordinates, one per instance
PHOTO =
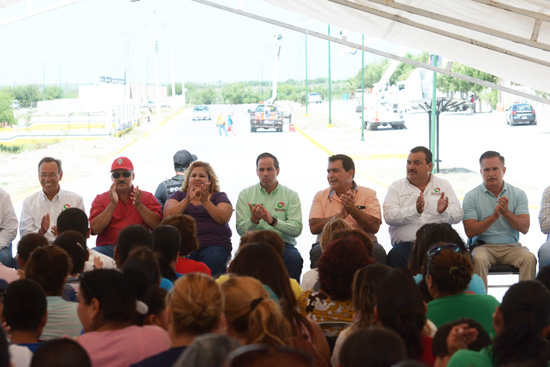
(337, 266)
(49, 266)
(399, 307)
(107, 309)
(157, 310)
(372, 347)
(261, 262)
(362, 296)
(447, 274)
(166, 245)
(311, 277)
(443, 350)
(75, 219)
(426, 238)
(521, 322)
(251, 316)
(75, 245)
(208, 350)
(196, 308)
(187, 227)
(61, 353)
(130, 238)
(25, 312)
(26, 245)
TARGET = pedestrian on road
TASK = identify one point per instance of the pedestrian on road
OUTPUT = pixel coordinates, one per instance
(221, 124)
(230, 123)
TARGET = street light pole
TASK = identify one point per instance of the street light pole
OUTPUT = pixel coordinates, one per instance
(329, 86)
(44, 80)
(363, 89)
(307, 92)
(60, 90)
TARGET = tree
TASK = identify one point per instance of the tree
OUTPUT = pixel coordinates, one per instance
(373, 73)
(26, 94)
(404, 70)
(207, 96)
(6, 112)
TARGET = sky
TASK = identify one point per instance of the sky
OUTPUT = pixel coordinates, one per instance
(94, 38)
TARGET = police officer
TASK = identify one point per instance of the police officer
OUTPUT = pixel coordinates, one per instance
(182, 161)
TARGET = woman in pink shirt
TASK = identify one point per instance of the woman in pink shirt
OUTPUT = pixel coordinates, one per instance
(107, 309)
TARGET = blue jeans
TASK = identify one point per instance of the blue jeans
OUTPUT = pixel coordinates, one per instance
(6, 257)
(215, 257)
(220, 128)
(544, 254)
(399, 255)
(107, 250)
(293, 261)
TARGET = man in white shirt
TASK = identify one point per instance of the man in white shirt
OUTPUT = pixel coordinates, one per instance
(8, 229)
(418, 199)
(40, 210)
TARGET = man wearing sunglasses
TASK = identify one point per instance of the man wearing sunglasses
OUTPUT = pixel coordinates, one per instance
(494, 214)
(418, 199)
(40, 210)
(121, 206)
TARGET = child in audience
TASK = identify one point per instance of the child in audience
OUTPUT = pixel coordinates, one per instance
(166, 245)
(61, 353)
(444, 349)
(25, 312)
(49, 266)
(187, 227)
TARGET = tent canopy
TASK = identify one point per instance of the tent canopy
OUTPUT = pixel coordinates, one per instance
(506, 38)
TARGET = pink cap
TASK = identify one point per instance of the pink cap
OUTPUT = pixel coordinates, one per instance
(122, 163)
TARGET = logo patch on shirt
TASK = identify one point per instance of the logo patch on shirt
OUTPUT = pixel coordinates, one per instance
(66, 206)
(281, 205)
(437, 190)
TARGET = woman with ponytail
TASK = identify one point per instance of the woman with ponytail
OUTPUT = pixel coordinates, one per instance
(522, 323)
(399, 307)
(107, 306)
(448, 272)
(252, 317)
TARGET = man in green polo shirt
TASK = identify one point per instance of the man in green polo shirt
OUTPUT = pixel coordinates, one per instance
(269, 205)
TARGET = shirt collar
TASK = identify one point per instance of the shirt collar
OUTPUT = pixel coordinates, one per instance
(504, 188)
(265, 192)
(331, 194)
(56, 197)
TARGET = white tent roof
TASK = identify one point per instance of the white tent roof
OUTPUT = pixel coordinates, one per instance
(506, 38)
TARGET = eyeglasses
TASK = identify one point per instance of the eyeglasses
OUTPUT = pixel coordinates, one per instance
(48, 175)
(125, 174)
(436, 250)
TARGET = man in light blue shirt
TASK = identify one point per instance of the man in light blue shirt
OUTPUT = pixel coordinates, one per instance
(494, 214)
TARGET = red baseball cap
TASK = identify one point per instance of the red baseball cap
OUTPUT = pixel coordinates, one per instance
(122, 163)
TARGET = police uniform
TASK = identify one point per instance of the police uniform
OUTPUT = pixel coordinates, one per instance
(168, 187)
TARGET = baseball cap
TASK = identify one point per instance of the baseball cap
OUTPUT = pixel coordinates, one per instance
(184, 158)
(122, 163)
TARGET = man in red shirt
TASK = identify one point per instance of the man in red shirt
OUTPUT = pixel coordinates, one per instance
(121, 206)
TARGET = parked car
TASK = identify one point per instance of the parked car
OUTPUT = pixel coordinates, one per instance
(314, 98)
(521, 113)
(201, 112)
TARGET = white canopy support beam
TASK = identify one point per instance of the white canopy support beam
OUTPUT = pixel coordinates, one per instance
(468, 25)
(375, 51)
(35, 12)
(513, 9)
(403, 20)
